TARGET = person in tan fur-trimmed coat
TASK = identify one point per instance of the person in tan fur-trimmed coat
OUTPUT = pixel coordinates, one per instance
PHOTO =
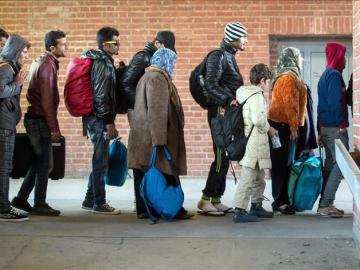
(158, 119)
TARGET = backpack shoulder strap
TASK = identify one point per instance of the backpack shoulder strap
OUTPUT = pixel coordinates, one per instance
(222, 51)
(242, 103)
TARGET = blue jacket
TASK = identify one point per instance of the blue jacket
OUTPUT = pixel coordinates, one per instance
(331, 110)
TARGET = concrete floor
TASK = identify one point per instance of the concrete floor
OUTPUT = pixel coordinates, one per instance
(80, 240)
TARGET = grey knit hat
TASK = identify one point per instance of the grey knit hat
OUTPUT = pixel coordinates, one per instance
(234, 31)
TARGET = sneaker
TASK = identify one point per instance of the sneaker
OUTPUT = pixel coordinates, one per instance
(13, 216)
(21, 204)
(257, 210)
(223, 208)
(329, 211)
(105, 209)
(336, 209)
(284, 210)
(86, 205)
(44, 210)
(241, 216)
(208, 209)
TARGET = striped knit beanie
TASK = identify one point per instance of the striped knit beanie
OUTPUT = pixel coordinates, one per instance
(234, 31)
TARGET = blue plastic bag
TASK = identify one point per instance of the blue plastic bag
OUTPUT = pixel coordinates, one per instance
(165, 199)
(118, 169)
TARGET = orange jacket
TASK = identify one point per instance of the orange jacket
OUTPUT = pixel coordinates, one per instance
(288, 101)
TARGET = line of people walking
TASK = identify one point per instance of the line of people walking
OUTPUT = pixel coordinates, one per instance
(156, 118)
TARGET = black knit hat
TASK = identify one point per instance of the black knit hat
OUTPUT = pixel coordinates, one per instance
(167, 38)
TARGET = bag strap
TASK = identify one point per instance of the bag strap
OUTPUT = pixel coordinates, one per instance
(148, 210)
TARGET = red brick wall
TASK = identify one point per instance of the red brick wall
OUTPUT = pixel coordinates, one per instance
(198, 26)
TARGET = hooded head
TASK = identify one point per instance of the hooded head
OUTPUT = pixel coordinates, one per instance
(289, 60)
(164, 59)
(13, 48)
(335, 55)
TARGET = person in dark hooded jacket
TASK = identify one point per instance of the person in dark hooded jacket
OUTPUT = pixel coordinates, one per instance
(13, 57)
(133, 73)
(332, 124)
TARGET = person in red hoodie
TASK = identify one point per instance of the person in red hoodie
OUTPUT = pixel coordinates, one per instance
(332, 124)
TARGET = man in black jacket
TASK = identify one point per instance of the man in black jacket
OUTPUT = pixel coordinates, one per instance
(100, 125)
(135, 70)
(13, 57)
(222, 79)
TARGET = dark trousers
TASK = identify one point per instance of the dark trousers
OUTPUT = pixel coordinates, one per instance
(42, 163)
(216, 181)
(281, 164)
(140, 205)
(7, 144)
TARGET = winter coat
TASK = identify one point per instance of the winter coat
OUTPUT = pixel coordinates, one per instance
(254, 113)
(288, 101)
(156, 121)
(103, 80)
(222, 77)
(134, 71)
(10, 110)
(43, 93)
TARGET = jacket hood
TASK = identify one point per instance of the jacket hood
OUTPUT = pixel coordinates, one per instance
(335, 55)
(13, 48)
(244, 92)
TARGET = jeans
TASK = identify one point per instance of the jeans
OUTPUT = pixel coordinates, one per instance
(100, 161)
(42, 161)
(328, 136)
(216, 181)
(7, 143)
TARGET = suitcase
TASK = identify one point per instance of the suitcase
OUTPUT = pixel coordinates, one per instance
(23, 155)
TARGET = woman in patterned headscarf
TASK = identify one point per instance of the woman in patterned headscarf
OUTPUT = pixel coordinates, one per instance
(286, 114)
(158, 119)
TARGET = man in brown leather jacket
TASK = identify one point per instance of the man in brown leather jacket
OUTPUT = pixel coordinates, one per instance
(41, 124)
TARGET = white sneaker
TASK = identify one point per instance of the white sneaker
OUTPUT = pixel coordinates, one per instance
(207, 208)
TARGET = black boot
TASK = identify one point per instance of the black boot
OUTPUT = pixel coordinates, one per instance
(257, 210)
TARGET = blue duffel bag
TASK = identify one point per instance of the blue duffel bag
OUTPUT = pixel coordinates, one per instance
(118, 169)
(165, 199)
(305, 182)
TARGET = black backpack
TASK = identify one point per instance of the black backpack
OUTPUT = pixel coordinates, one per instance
(228, 131)
(197, 81)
